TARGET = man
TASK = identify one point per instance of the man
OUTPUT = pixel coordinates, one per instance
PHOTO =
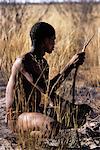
(29, 77)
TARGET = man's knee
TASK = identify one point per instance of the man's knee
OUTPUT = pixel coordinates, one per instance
(36, 122)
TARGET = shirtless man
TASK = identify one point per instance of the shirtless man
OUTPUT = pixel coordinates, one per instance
(29, 76)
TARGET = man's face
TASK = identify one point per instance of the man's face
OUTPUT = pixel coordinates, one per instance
(49, 44)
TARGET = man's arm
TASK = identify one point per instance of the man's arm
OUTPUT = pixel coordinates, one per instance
(59, 78)
(10, 90)
(76, 60)
(11, 84)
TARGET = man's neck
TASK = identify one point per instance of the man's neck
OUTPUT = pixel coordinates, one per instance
(36, 53)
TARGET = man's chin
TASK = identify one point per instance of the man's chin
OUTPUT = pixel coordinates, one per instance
(50, 51)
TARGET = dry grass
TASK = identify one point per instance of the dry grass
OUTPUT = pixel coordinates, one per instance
(74, 24)
(72, 28)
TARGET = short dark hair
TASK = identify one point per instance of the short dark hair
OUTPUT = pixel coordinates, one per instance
(41, 30)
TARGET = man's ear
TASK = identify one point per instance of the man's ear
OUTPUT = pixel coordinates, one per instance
(44, 42)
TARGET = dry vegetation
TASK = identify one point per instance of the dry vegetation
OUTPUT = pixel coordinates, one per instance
(74, 25)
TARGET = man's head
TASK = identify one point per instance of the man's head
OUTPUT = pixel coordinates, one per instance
(43, 34)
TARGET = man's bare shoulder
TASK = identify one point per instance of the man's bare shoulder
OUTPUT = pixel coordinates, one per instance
(17, 64)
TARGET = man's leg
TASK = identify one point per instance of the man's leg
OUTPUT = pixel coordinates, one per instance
(33, 121)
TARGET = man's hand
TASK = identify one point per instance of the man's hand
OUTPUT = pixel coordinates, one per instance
(78, 59)
(8, 115)
(9, 119)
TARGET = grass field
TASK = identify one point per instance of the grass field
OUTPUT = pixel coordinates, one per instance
(74, 24)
